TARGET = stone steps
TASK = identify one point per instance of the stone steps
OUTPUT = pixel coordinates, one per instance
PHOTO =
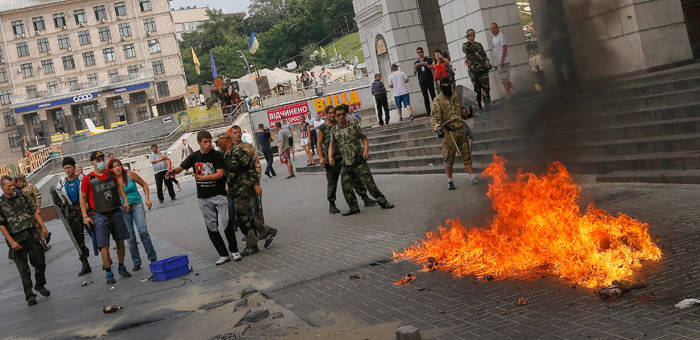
(691, 176)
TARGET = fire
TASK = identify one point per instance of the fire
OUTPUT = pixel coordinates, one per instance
(538, 226)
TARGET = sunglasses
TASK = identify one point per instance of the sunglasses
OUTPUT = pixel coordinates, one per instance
(471, 35)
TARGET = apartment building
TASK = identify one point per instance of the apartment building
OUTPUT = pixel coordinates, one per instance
(61, 61)
(187, 19)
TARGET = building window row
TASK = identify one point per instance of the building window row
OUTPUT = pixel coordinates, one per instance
(39, 24)
(89, 58)
(84, 37)
(5, 97)
(43, 44)
(15, 140)
(149, 24)
(27, 70)
(9, 118)
(3, 75)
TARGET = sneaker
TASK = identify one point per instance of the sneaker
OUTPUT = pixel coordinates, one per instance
(290, 176)
(31, 301)
(110, 278)
(122, 271)
(236, 256)
(222, 260)
(386, 205)
(250, 251)
(43, 291)
(351, 212)
(270, 237)
(451, 186)
(136, 268)
(268, 174)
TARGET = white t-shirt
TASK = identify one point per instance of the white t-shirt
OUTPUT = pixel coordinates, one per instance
(398, 81)
(498, 43)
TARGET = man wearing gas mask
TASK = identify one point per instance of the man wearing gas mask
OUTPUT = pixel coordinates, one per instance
(446, 119)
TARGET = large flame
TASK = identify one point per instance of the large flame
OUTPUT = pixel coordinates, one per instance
(539, 227)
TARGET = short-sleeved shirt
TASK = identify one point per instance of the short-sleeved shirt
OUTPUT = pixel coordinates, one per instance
(348, 141)
(17, 213)
(207, 164)
(86, 187)
(186, 150)
(160, 166)
(398, 81)
(263, 139)
(425, 75)
(284, 135)
(498, 43)
(73, 190)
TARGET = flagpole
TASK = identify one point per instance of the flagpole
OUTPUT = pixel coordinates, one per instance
(246, 60)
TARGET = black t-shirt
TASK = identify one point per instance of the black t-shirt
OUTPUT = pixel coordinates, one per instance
(207, 164)
(425, 75)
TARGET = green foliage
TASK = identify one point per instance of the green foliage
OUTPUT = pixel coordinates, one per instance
(346, 45)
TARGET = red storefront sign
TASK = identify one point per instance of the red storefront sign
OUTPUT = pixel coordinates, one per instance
(294, 113)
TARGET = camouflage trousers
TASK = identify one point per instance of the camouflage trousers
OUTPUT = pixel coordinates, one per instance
(481, 87)
(31, 253)
(248, 217)
(359, 172)
(75, 220)
(332, 176)
(449, 149)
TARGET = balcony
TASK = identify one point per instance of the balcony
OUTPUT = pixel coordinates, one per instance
(66, 91)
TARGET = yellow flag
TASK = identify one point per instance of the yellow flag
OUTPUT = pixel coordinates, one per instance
(323, 51)
(196, 61)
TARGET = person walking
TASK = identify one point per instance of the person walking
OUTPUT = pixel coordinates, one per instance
(160, 169)
(398, 81)
(446, 120)
(333, 171)
(23, 228)
(170, 177)
(305, 138)
(32, 192)
(500, 57)
(325, 76)
(313, 135)
(208, 167)
(102, 210)
(265, 140)
(478, 65)
(347, 139)
(186, 151)
(379, 93)
(135, 219)
(290, 139)
(423, 67)
(68, 190)
(284, 135)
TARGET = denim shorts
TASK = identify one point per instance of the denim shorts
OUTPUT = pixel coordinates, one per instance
(110, 223)
(406, 99)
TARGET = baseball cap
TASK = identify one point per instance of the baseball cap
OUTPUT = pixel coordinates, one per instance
(393, 66)
(220, 136)
(68, 161)
(95, 155)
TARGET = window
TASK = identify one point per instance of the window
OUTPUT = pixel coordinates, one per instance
(142, 113)
(5, 97)
(15, 141)
(52, 86)
(63, 41)
(120, 9)
(72, 82)
(68, 63)
(31, 91)
(3, 75)
(158, 67)
(112, 74)
(138, 98)
(121, 116)
(129, 51)
(27, 70)
(145, 5)
(124, 30)
(18, 27)
(80, 17)
(35, 119)
(59, 20)
(43, 44)
(118, 102)
(9, 118)
(109, 54)
(92, 78)
(38, 24)
(84, 37)
(89, 58)
(149, 24)
(47, 65)
(162, 87)
(154, 46)
(104, 34)
(22, 49)
(100, 13)
(131, 69)
(1, 54)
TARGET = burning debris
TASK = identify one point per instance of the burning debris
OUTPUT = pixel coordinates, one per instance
(539, 226)
(522, 301)
(408, 278)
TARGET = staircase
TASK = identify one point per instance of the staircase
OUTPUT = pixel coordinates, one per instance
(631, 129)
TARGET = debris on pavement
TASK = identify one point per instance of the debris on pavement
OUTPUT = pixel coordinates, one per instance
(85, 283)
(255, 316)
(618, 288)
(356, 276)
(522, 301)
(248, 290)
(147, 279)
(408, 333)
(242, 303)
(687, 303)
(277, 315)
(505, 313)
(609, 291)
(432, 264)
(111, 309)
(405, 279)
(112, 288)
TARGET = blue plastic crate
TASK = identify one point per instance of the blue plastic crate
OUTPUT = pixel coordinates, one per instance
(171, 267)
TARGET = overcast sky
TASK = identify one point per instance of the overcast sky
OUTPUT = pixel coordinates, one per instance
(229, 6)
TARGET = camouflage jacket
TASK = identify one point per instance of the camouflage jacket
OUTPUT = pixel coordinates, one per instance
(240, 172)
(476, 57)
(446, 112)
(250, 149)
(347, 141)
(326, 142)
(17, 213)
(31, 191)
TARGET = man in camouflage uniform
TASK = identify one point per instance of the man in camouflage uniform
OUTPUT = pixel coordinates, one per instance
(32, 192)
(19, 219)
(346, 139)
(243, 185)
(333, 172)
(446, 120)
(478, 65)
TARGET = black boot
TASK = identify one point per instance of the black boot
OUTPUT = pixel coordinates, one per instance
(86, 267)
(386, 205)
(368, 201)
(352, 211)
(332, 209)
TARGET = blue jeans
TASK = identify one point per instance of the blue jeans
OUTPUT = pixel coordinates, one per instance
(137, 218)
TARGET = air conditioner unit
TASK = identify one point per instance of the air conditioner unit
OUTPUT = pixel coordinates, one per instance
(119, 17)
(16, 36)
(60, 79)
(82, 24)
(2, 61)
(64, 27)
(22, 35)
(19, 71)
(123, 38)
(48, 52)
(102, 20)
(68, 48)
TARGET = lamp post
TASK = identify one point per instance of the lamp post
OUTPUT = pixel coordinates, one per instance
(244, 59)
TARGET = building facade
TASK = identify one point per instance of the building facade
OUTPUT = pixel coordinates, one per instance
(61, 61)
(187, 19)
(607, 38)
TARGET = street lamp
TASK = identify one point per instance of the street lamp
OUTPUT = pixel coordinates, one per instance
(244, 59)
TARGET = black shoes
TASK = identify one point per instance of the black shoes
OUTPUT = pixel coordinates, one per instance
(451, 186)
(352, 211)
(86, 267)
(43, 291)
(136, 268)
(270, 237)
(386, 205)
(368, 201)
(250, 250)
(268, 174)
(332, 208)
(31, 301)
(290, 176)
